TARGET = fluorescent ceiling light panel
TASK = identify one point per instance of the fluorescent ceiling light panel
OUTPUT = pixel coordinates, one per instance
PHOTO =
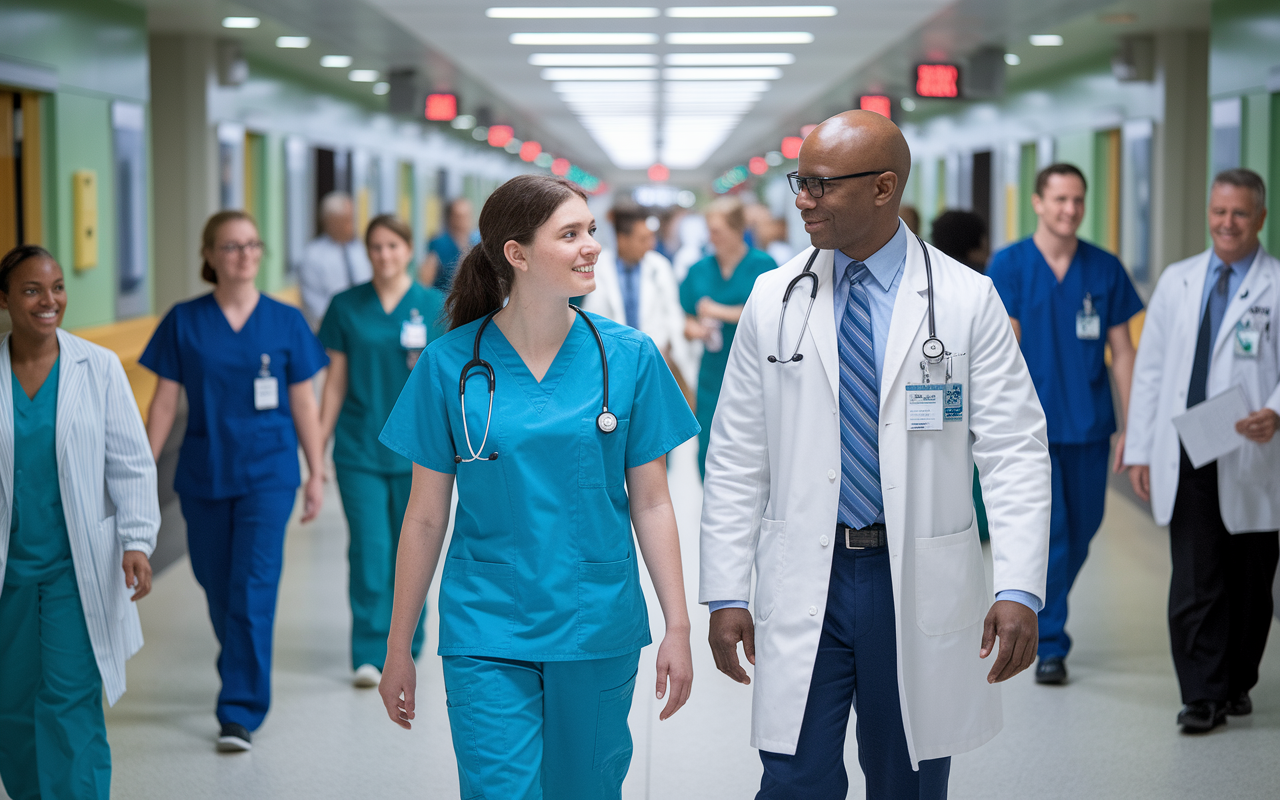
(363, 75)
(340, 62)
(381, 87)
(600, 74)
(717, 89)
(571, 13)
(603, 89)
(1012, 59)
(723, 12)
(293, 42)
(745, 37)
(581, 39)
(729, 59)
(593, 60)
(241, 22)
(721, 73)
(1045, 40)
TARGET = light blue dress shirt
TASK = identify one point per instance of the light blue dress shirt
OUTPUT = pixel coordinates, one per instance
(1238, 272)
(886, 267)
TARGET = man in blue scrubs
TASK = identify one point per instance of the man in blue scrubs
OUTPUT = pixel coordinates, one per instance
(1068, 300)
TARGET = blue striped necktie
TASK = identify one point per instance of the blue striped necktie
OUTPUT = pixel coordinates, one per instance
(860, 498)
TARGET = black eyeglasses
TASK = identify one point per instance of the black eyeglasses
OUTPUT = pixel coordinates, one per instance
(232, 248)
(817, 186)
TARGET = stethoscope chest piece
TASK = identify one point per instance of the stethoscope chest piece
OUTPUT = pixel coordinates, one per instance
(933, 349)
(607, 422)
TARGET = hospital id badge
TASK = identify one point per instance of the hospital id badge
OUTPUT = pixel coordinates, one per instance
(1088, 326)
(413, 334)
(266, 394)
(1247, 339)
(925, 406)
(953, 402)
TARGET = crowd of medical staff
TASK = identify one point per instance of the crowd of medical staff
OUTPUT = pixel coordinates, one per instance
(461, 368)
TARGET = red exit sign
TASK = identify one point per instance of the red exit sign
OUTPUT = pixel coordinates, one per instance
(937, 80)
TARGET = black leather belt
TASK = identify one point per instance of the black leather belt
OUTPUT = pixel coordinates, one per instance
(862, 538)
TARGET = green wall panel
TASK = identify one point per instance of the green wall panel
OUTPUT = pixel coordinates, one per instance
(1244, 41)
(95, 45)
(1027, 219)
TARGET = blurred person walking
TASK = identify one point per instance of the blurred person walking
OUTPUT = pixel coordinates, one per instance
(334, 261)
(712, 296)
(447, 250)
(246, 362)
(1210, 330)
(72, 447)
(373, 334)
(963, 236)
(1068, 300)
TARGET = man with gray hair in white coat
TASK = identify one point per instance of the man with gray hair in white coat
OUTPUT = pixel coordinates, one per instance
(840, 468)
(1208, 332)
(333, 261)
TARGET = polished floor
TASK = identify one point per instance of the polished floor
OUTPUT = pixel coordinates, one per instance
(1109, 734)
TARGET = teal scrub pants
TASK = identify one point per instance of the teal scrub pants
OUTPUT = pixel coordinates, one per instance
(374, 505)
(525, 730)
(53, 739)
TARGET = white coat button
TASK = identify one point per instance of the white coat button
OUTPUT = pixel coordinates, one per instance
(825, 541)
(813, 611)
(831, 474)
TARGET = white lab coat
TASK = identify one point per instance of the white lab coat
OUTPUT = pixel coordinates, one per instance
(107, 477)
(773, 484)
(1248, 478)
(661, 316)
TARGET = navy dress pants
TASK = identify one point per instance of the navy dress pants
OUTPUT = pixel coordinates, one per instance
(857, 666)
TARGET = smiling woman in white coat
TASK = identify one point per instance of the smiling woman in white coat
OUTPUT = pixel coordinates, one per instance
(1209, 328)
(844, 478)
(78, 521)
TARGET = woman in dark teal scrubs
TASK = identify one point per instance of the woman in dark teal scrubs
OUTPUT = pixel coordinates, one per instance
(713, 294)
(374, 333)
(66, 623)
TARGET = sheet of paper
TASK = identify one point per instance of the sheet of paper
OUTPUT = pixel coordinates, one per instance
(1208, 430)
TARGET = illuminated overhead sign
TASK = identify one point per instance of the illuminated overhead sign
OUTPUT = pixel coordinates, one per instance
(937, 80)
(875, 102)
(530, 150)
(442, 107)
(791, 146)
(659, 173)
(499, 135)
(758, 166)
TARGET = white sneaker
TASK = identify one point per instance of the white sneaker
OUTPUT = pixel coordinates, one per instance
(367, 677)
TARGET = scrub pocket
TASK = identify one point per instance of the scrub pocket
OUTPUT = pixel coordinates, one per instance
(951, 582)
(601, 456)
(477, 606)
(611, 609)
(613, 736)
(463, 727)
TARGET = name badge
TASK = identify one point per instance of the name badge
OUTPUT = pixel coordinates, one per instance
(925, 406)
(1088, 324)
(953, 402)
(1247, 340)
(266, 390)
(413, 333)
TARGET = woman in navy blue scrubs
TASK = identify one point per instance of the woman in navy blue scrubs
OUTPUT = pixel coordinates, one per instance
(246, 362)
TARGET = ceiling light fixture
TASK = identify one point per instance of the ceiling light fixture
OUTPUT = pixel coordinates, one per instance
(729, 59)
(241, 22)
(340, 62)
(721, 73)
(480, 133)
(746, 37)
(1045, 40)
(581, 39)
(600, 74)
(544, 160)
(593, 60)
(1012, 59)
(363, 75)
(463, 122)
(293, 42)
(554, 12)
(908, 104)
(723, 12)
(381, 87)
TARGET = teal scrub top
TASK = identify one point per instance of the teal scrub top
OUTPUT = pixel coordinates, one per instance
(542, 565)
(704, 280)
(377, 368)
(1070, 373)
(39, 545)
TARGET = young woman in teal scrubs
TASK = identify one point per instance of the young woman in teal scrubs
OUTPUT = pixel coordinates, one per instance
(713, 294)
(71, 444)
(374, 334)
(541, 612)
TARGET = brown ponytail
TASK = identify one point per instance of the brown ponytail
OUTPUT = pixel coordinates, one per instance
(514, 212)
(210, 237)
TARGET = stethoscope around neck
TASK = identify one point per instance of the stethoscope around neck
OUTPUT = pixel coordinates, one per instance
(932, 348)
(606, 421)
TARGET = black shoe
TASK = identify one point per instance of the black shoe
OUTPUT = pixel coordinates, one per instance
(1051, 671)
(1242, 706)
(234, 739)
(1202, 716)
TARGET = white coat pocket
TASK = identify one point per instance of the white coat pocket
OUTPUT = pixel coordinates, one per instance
(771, 565)
(951, 582)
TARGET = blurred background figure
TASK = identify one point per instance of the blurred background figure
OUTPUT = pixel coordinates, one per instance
(446, 250)
(694, 244)
(373, 334)
(773, 240)
(246, 362)
(712, 295)
(636, 287)
(963, 236)
(68, 423)
(911, 217)
(333, 261)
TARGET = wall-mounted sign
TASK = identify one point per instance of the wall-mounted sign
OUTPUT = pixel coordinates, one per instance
(875, 102)
(937, 80)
